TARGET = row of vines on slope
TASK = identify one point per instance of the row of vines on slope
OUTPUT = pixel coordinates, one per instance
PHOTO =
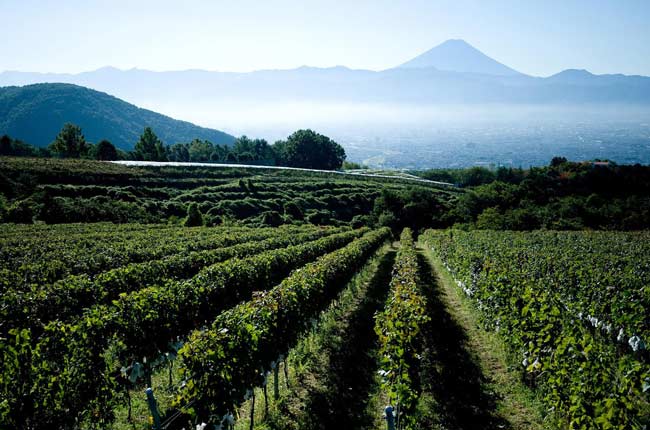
(71, 372)
(573, 306)
(69, 296)
(224, 362)
(398, 328)
(42, 257)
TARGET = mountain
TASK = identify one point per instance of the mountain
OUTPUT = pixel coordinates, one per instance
(453, 73)
(456, 55)
(36, 113)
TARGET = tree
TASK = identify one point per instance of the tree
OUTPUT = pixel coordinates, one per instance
(490, 219)
(5, 145)
(194, 217)
(200, 150)
(178, 152)
(149, 147)
(256, 151)
(105, 150)
(308, 149)
(70, 142)
(558, 161)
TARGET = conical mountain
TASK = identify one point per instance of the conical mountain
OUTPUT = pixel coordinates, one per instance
(459, 56)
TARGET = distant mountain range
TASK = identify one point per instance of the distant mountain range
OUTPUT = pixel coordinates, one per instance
(453, 72)
(36, 113)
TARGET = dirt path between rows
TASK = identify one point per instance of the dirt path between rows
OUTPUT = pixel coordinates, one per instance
(469, 378)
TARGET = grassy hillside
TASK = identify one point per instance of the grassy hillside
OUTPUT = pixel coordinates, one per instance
(100, 115)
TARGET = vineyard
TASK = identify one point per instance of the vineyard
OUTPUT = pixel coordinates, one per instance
(304, 301)
(573, 307)
(215, 317)
(65, 191)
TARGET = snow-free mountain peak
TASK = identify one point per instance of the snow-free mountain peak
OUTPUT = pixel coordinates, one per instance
(459, 56)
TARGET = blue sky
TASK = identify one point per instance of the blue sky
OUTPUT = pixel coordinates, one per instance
(534, 37)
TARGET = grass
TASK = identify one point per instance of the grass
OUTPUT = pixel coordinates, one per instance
(332, 368)
(514, 405)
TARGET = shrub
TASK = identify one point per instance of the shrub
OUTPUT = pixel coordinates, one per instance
(194, 217)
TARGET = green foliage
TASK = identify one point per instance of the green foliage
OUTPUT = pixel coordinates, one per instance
(562, 196)
(293, 210)
(104, 151)
(63, 288)
(194, 217)
(77, 364)
(490, 219)
(350, 165)
(469, 177)
(35, 114)
(359, 221)
(243, 343)
(308, 149)
(412, 207)
(254, 151)
(3, 207)
(70, 142)
(149, 147)
(67, 191)
(17, 148)
(398, 328)
(21, 212)
(272, 218)
(573, 311)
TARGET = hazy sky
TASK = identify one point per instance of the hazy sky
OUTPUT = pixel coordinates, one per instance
(534, 37)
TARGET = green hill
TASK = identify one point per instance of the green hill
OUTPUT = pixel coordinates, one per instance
(36, 113)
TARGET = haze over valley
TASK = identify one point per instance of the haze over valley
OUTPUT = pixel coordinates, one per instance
(450, 106)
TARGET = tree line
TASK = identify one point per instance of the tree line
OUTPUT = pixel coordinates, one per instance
(303, 148)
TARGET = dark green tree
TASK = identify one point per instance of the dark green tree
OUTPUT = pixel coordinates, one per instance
(256, 151)
(70, 142)
(200, 150)
(178, 152)
(149, 147)
(194, 217)
(105, 150)
(558, 161)
(308, 149)
(5, 145)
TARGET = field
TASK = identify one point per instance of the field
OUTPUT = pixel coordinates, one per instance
(305, 301)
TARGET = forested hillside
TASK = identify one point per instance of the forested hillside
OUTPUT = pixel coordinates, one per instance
(101, 116)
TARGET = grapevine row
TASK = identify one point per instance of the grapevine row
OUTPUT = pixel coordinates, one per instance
(67, 297)
(398, 328)
(43, 264)
(590, 380)
(235, 353)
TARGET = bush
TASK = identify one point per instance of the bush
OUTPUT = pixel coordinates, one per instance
(272, 218)
(388, 219)
(194, 217)
(320, 217)
(21, 212)
(3, 207)
(359, 221)
(293, 210)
